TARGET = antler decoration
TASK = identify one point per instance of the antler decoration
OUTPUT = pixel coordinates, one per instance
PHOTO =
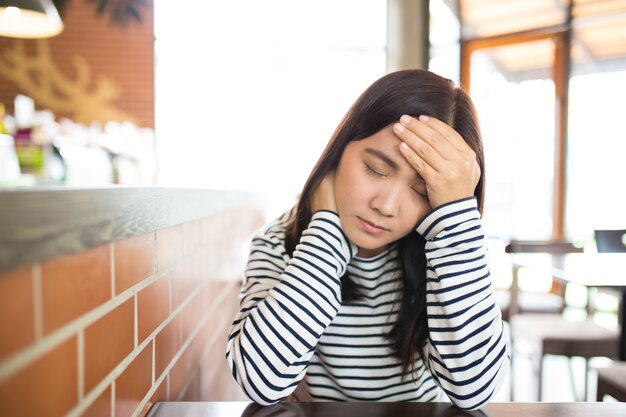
(38, 77)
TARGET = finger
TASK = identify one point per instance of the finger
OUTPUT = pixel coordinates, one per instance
(449, 133)
(422, 167)
(416, 144)
(431, 136)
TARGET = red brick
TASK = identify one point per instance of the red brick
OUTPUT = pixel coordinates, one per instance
(192, 236)
(134, 383)
(169, 243)
(134, 260)
(192, 390)
(159, 395)
(203, 264)
(17, 323)
(191, 315)
(183, 282)
(152, 307)
(101, 407)
(74, 284)
(47, 387)
(108, 341)
(180, 374)
(167, 343)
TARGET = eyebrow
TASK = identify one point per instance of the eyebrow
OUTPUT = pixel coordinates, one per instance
(386, 159)
(383, 157)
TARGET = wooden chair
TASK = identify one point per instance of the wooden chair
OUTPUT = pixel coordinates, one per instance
(610, 241)
(551, 334)
(612, 381)
(514, 301)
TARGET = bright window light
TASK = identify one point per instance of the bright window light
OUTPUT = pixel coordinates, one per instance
(248, 93)
(597, 145)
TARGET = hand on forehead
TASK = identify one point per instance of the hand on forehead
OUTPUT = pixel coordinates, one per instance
(441, 156)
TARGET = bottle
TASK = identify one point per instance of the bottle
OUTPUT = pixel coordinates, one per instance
(3, 128)
(30, 152)
(9, 165)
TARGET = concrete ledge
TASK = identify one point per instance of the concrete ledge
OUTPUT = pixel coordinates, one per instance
(43, 223)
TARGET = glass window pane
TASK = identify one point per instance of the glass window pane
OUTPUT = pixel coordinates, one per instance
(483, 18)
(596, 137)
(596, 7)
(599, 44)
(444, 36)
(596, 154)
(516, 108)
(249, 100)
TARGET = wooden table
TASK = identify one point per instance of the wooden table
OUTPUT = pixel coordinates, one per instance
(363, 409)
(599, 270)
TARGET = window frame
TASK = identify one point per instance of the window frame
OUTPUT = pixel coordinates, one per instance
(561, 35)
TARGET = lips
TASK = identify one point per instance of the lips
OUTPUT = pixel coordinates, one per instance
(373, 227)
(376, 225)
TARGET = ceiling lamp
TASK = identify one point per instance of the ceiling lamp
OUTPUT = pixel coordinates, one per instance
(29, 19)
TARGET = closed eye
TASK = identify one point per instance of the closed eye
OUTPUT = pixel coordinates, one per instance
(372, 172)
(420, 195)
(377, 174)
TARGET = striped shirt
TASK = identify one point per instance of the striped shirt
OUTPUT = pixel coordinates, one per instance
(293, 325)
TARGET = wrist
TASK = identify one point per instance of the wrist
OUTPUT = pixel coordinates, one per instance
(436, 203)
(447, 215)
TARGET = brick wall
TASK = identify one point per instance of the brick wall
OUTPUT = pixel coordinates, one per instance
(110, 330)
(123, 55)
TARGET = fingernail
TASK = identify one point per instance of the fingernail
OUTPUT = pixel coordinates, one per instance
(398, 128)
(405, 120)
(404, 147)
(424, 118)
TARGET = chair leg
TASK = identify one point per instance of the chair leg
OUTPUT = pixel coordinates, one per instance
(512, 378)
(600, 390)
(571, 379)
(599, 396)
(512, 372)
(540, 377)
(586, 396)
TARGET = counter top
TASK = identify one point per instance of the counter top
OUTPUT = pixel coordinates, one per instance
(41, 223)
(377, 409)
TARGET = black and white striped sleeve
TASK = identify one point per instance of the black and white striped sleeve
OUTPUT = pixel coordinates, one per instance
(468, 348)
(286, 304)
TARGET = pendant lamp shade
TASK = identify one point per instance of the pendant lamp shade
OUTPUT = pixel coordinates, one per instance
(29, 19)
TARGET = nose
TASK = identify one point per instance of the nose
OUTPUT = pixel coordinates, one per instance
(387, 200)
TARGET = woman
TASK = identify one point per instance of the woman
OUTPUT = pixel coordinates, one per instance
(376, 286)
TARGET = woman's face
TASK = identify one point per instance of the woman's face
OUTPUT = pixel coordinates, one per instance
(380, 197)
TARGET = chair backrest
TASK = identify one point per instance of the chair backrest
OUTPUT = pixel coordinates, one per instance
(611, 240)
(554, 248)
(550, 247)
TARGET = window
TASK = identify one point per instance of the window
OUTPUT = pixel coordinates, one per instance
(517, 123)
(552, 167)
(444, 37)
(597, 140)
(248, 100)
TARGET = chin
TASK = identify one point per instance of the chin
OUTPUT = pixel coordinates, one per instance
(366, 243)
(361, 239)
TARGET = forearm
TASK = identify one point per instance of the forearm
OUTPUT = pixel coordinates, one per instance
(468, 351)
(276, 332)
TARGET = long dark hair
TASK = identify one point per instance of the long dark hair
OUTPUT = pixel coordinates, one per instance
(412, 92)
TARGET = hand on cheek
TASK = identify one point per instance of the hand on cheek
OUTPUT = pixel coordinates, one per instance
(441, 156)
(323, 197)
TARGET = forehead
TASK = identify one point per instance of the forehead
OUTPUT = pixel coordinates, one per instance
(384, 140)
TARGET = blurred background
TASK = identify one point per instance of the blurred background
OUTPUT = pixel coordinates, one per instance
(244, 95)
